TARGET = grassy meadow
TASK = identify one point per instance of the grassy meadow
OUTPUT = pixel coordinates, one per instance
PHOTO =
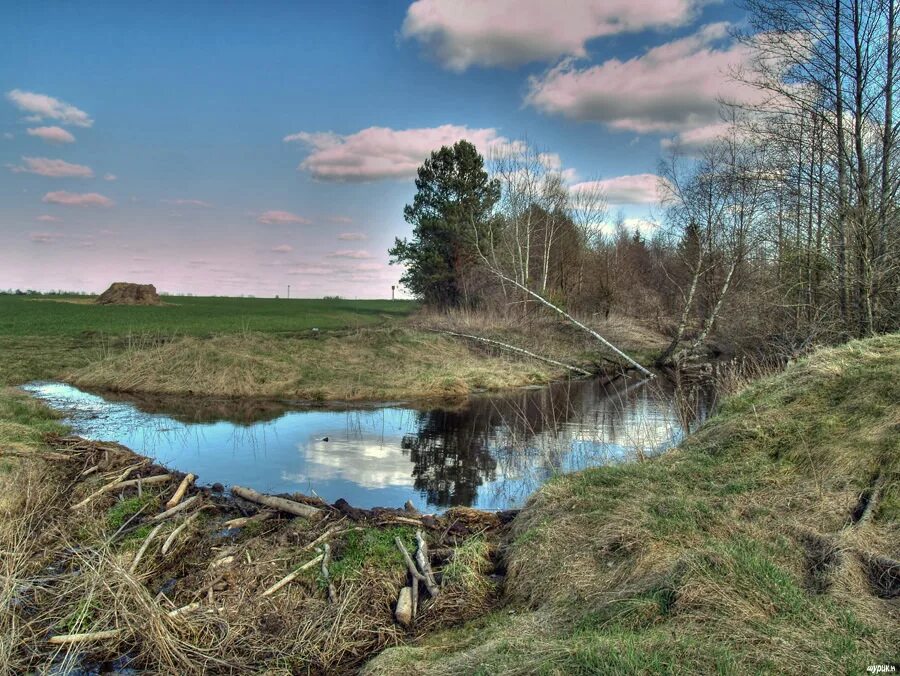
(259, 347)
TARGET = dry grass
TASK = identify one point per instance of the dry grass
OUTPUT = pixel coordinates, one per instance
(368, 364)
(743, 551)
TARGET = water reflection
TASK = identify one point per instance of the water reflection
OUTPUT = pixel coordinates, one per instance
(489, 452)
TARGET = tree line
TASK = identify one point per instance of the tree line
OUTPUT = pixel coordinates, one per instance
(780, 233)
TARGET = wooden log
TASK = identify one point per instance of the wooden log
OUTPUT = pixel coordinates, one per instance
(287, 579)
(146, 481)
(103, 489)
(403, 612)
(174, 534)
(414, 576)
(242, 521)
(140, 554)
(326, 557)
(282, 504)
(180, 491)
(425, 565)
(180, 507)
(63, 639)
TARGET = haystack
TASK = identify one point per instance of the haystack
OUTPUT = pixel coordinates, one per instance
(127, 293)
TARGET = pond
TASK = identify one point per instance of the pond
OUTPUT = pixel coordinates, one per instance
(487, 451)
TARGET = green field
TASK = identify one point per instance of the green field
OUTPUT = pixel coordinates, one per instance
(45, 336)
(183, 315)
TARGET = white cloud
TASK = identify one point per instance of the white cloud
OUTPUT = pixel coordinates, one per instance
(671, 88)
(51, 134)
(694, 140)
(352, 236)
(46, 218)
(90, 199)
(43, 166)
(356, 254)
(275, 217)
(634, 189)
(378, 153)
(282, 248)
(41, 106)
(110, 177)
(8, 135)
(343, 220)
(463, 33)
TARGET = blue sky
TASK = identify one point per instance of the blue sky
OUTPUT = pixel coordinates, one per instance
(147, 143)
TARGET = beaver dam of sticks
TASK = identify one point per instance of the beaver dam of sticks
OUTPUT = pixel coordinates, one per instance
(140, 568)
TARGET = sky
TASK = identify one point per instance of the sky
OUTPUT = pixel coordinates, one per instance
(237, 148)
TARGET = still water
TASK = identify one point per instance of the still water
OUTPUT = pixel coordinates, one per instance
(489, 452)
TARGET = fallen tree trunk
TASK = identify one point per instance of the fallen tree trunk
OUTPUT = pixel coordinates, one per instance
(513, 348)
(282, 504)
(565, 315)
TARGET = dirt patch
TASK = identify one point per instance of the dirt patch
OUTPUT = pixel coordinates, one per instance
(128, 293)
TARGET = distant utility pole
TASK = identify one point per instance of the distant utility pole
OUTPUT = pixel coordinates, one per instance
(289, 291)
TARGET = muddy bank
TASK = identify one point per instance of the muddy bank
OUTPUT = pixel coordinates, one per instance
(135, 566)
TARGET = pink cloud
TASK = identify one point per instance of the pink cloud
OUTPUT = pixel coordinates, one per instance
(671, 88)
(282, 248)
(378, 153)
(41, 106)
(90, 199)
(43, 166)
(342, 220)
(350, 253)
(46, 218)
(275, 217)
(51, 134)
(110, 177)
(463, 33)
(352, 236)
(635, 189)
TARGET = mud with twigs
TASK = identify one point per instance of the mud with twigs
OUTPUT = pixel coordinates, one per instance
(122, 563)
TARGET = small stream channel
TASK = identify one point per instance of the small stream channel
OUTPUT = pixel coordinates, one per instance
(488, 451)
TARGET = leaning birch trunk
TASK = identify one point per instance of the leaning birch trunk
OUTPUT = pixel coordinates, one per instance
(685, 313)
(289, 506)
(708, 324)
(569, 318)
(513, 348)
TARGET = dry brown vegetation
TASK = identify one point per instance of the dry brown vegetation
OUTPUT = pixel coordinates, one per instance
(366, 364)
(200, 608)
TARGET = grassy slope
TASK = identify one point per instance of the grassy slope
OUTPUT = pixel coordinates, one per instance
(734, 554)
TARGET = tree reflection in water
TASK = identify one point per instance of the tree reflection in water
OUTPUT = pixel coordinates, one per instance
(514, 443)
